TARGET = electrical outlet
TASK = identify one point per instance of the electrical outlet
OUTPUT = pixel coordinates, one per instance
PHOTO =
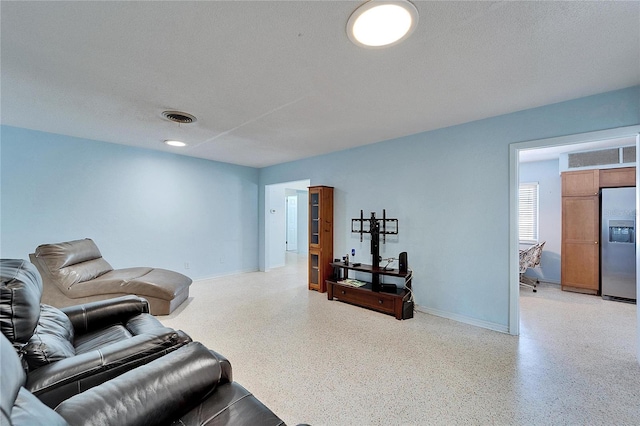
(221, 259)
(186, 265)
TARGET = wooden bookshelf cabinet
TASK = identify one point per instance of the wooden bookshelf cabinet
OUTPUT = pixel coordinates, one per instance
(320, 236)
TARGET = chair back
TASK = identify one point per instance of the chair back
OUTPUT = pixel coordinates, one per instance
(20, 291)
(69, 263)
(537, 254)
(530, 258)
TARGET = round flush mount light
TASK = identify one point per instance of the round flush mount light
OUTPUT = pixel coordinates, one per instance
(175, 143)
(379, 23)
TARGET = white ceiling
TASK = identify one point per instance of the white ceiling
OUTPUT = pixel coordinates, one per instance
(276, 81)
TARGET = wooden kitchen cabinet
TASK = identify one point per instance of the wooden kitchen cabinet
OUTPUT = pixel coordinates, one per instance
(580, 258)
(580, 183)
(616, 178)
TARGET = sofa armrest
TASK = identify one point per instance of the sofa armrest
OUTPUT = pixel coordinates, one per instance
(59, 380)
(154, 393)
(99, 314)
(231, 405)
(225, 365)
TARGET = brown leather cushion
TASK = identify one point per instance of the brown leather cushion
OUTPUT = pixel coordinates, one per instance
(141, 281)
(73, 261)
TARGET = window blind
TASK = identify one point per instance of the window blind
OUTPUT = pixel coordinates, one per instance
(528, 212)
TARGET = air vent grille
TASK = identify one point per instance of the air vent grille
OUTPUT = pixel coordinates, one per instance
(606, 158)
(629, 154)
(594, 158)
(179, 117)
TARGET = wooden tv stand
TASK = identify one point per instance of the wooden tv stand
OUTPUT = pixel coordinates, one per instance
(398, 304)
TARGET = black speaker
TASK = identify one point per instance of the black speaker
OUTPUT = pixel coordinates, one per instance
(407, 310)
(388, 288)
(402, 263)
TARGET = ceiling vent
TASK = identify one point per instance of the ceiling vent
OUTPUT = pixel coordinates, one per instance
(179, 117)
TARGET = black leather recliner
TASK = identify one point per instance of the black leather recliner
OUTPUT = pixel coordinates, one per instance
(189, 386)
(66, 351)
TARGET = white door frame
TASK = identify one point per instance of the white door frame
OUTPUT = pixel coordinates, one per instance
(271, 236)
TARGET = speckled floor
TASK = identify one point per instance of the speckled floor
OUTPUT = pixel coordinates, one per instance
(330, 363)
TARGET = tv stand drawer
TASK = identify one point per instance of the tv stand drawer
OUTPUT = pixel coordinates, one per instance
(368, 299)
(387, 303)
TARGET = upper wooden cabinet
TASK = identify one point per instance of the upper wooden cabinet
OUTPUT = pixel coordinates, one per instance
(615, 178)
(580, 183)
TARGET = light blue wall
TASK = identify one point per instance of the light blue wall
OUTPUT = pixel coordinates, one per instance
(547, 175)
(449, 188)
(141, 207)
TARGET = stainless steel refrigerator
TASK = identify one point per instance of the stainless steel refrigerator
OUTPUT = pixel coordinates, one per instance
(618, 243)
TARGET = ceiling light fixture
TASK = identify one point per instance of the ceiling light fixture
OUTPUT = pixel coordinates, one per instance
(175, 143)
(379, 23)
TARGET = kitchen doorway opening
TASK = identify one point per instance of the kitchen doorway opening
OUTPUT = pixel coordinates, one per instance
(516, 151)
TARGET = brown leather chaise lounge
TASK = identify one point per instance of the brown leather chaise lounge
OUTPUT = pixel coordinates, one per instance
(75, 272)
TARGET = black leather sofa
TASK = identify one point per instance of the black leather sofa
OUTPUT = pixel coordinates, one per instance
(108, 363)
(66, 351)
(190, 386)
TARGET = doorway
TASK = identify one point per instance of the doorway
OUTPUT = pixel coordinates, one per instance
(292, 223)
(515, 150)
(281, 236)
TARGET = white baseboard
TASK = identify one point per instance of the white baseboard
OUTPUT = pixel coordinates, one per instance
(464, 319)
(226, 274)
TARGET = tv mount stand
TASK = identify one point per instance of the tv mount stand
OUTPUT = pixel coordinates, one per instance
(376, 228)
(386, 298)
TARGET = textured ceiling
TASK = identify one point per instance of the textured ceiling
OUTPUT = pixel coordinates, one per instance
(276, 81)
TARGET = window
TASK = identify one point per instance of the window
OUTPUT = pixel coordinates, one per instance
(528, 210)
